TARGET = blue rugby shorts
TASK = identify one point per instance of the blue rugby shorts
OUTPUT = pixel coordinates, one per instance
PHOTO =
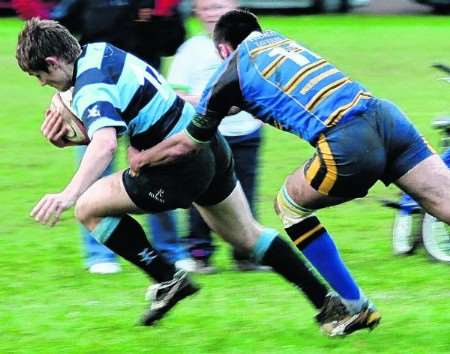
(378, 144)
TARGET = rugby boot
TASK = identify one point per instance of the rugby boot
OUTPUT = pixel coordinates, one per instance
(165, 295)
(335, 320)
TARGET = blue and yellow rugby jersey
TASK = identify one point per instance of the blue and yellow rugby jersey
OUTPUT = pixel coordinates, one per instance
(282, 83)
(113, 88)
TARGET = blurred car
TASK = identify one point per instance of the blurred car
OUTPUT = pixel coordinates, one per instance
(314, 5)
(286, 5)
(438, 5)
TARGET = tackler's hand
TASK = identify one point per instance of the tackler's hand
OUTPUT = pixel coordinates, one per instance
(134, 160)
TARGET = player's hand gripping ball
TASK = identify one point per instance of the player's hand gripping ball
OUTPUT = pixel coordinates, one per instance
(76, 131)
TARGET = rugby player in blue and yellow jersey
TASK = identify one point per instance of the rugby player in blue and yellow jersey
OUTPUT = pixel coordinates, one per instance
(358, 138)
(115, 93)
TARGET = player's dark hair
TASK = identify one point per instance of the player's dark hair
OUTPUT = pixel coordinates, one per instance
(234, 26)
(40, 39)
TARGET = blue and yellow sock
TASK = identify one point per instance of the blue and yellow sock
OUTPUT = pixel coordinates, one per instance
(313, 240)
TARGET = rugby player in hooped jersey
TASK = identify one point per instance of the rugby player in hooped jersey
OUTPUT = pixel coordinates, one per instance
(358, 138)
(116, 93)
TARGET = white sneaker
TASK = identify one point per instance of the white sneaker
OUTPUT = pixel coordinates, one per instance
(187, 264)
(105, 268)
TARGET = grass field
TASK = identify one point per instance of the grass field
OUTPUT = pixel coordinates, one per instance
(50, 304)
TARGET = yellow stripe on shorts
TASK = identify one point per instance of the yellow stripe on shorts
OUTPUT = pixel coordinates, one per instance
(327, 157)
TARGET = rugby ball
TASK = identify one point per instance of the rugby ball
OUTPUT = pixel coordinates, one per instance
(76, 131)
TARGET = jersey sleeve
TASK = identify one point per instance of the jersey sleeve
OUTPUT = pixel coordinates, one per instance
(222, 92)
(96, 102)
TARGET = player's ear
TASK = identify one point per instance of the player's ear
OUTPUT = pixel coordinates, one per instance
(52, 62)
(225, 50)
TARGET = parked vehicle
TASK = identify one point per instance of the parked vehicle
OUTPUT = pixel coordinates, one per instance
(314, 5)
(438, 5)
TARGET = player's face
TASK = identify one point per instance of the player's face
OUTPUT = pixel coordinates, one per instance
(59, 76)
(209, 11)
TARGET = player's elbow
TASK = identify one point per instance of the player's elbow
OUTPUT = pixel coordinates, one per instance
(106, 148)
(105, 140)
(110, 147)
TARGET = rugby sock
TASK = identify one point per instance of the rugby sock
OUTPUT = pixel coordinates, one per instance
(313, 240)
(129, 241)
(271, 250)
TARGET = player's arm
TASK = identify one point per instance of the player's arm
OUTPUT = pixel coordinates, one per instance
(99, 154)
(221, 94)
(167, 151)
(195, 99)
(177, 146)
(103, 124)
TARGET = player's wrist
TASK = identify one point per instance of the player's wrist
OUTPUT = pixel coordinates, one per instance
(194, 139)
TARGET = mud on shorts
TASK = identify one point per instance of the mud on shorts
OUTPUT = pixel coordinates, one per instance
(379, 144)
(205, 177)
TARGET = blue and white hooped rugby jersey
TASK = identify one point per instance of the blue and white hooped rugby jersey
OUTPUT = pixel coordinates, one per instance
(281, 83)
(113, 88)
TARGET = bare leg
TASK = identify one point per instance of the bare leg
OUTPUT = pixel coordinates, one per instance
(104, 209)
(296, 204)
(306, 196)
(429, 184)
(106, 197)
(233, 220)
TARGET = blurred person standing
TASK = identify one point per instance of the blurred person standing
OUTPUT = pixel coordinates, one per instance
(159, 28)
(32, 8)
(126, 24)
(193, 65)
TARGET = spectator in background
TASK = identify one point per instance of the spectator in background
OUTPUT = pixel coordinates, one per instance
(194, 63)
(160, 30)
(148, 29)
(32, 8)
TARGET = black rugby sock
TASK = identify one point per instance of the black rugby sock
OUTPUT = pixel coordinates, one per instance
(286, 262)
(130, 242)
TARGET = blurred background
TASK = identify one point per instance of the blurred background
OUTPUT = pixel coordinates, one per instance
(51, 304)
(299, 6)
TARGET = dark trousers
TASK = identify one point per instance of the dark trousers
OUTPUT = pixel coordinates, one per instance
(246, 155)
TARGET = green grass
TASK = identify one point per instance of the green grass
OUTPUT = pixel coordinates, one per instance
(50, 304)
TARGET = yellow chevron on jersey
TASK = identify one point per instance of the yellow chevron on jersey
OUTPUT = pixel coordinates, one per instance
(325, 92)
(340, 112)
(283, 84)
(297, 78)
(270, 69)
(259, 50)
(279, 60)
(311, 83)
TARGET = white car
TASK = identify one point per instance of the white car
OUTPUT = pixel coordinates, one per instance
(307, 5)
(314, 5)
